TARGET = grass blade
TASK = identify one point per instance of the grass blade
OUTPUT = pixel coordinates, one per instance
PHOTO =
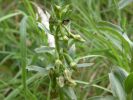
(23, 50)
(117, 84)
(124, 3)
(9, 16)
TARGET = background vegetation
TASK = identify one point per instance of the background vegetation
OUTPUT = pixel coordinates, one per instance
(106, 55)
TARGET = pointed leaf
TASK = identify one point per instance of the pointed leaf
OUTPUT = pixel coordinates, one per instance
(9, 16)
(129, 83)
(102, 98)
(70, 93)
(37, 69)
(117, 86)
(124, 3)
(84, 65)
(44, 49)
(86, 57)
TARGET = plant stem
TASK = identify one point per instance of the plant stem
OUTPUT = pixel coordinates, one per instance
(49, 90)
(57, 42)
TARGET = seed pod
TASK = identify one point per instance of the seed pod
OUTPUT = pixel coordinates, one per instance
(60, 81)
(58, 63)
(65, 38)
(78, 37)
(68, 58)
(51, 72)
(72, 83)
(73, 65)
(71, 35)
(67, 75)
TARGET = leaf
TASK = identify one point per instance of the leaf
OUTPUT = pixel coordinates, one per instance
(30, 95)
(108, 24)
(121, 74)
(18, 90)
(44, 49)
(119, 40)
(9, 16)
(72, 50)
(117, 84)
(37, 69)
(5, 59)
(94, 85)
(23, 49)
(124, 3)
(70, 93)
(100, 87)
(115, 30)
(84, 65)
(81, 82)
(102, 98)
(88, 56)
(128, 83)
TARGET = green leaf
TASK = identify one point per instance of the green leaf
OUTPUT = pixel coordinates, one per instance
(86, 57)
(100, 87)
(102, 98)
(94, 85)
(128, 83)
(124, 3)
(115, 30)
(17, 91)
(23, 50)
(44, 49)
(30, 95)
(37, 69)
(121, 74)
(81, 82)
(9, 16)
(84, 65)
(117, 84)
(108, 24)
(5, 59)
(70, 93)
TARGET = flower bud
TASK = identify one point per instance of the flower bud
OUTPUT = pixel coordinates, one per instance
(65, 38)
(67, 74)
(58, 63)
(78, 37)
(72, 82)
(60, 81)
(73, 64)
(51, 72)
(57, 7)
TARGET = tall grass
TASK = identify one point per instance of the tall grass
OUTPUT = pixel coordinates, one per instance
(97, 50)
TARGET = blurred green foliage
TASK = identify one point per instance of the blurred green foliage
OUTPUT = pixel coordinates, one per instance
(105, 25)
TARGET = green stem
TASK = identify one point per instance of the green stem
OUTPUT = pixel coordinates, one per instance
(49, 90)
(61, 94)
(57, 42)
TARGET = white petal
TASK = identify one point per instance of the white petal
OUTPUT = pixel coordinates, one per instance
(45, 21)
